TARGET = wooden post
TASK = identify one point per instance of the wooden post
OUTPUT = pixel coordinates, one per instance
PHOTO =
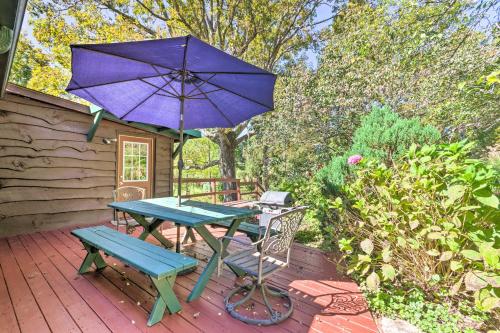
(213, 189)
(95, 124)
(238, 189)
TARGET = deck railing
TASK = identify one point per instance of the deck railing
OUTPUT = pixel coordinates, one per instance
(216, 187)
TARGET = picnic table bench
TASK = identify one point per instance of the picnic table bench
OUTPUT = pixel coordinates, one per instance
(160, 264)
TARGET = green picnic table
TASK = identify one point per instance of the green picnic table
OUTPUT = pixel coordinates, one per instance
(193, 215)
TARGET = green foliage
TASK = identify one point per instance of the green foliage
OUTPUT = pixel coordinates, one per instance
(200, 159)
(431, 220)
(418, 57)
(289, 143)
(384, 136)
(411, 304)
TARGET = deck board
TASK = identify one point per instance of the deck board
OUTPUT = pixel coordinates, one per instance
(29, 316)
(55, 313)
(80, 311)
(40, 289)
(8, 320)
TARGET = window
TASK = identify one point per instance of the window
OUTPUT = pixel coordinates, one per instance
(135, 161)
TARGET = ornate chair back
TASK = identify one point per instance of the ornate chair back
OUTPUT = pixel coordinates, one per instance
(127, 193)
(280, 243)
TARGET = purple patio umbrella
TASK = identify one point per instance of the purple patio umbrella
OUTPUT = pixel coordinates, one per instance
(180, 83)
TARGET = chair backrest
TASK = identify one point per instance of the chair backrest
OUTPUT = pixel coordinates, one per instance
(129, 193)
(288, 223)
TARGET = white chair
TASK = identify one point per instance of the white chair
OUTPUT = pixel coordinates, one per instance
(260, 260)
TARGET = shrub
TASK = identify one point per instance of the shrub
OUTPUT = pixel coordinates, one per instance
(431, 220)
(411, 304)
(383, 135)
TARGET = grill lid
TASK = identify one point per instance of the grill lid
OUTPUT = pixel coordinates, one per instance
(275, 198)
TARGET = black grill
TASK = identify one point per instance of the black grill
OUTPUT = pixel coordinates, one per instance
(275, 199)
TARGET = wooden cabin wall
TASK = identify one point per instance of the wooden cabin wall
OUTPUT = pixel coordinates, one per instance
(51, 177)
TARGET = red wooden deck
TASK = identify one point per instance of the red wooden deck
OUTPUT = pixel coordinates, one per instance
(40, 291)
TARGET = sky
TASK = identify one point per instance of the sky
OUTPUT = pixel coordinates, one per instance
(324, 12)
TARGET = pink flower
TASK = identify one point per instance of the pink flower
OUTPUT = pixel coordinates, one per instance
(354, 159)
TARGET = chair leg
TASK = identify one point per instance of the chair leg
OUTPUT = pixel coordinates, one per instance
(274, 316)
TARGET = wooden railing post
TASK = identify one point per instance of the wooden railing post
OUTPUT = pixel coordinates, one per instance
(238, 189)
(213, 189)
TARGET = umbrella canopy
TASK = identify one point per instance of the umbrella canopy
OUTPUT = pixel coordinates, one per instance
(147, 82)
(180, 83)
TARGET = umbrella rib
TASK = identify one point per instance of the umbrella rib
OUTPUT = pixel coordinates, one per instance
(91, 95)
(236, 73)
(165, 91)
(132, 59)
(113, 82)
(200, 84)
(215, 105)
(135, 107)
(233, 92)
(171, 86)
(207, 92)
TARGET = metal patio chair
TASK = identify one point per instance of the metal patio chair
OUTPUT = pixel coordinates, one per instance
(127, 193)
(259, 261)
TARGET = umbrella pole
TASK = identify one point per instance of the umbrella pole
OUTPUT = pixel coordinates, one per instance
(180, 163)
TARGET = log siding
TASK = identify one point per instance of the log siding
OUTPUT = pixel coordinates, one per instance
(51, 177)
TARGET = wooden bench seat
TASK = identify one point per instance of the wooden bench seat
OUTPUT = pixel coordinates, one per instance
(160, 264)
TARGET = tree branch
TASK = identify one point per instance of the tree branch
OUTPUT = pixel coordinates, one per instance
(202, 166)
(129, 18)
(245, 137)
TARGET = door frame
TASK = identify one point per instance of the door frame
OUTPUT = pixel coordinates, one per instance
(151, 166)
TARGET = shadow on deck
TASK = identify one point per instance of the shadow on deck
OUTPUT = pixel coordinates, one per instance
(41, 291)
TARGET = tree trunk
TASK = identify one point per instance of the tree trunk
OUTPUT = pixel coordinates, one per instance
(227, 161)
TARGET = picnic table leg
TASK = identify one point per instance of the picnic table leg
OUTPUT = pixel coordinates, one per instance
(188, 235)
(93, 256)
(165, 299)
(178, 238)
(150, 229)
(212, 263)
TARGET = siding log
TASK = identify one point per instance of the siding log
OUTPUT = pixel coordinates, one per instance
(32, 223)
(24, 163)
(85, 183)
(10, 209)
(55, 173)
(15, 194)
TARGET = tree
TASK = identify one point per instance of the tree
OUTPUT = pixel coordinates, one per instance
(259, 31)
(384, 136)
(28, 57)
(291, 142)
